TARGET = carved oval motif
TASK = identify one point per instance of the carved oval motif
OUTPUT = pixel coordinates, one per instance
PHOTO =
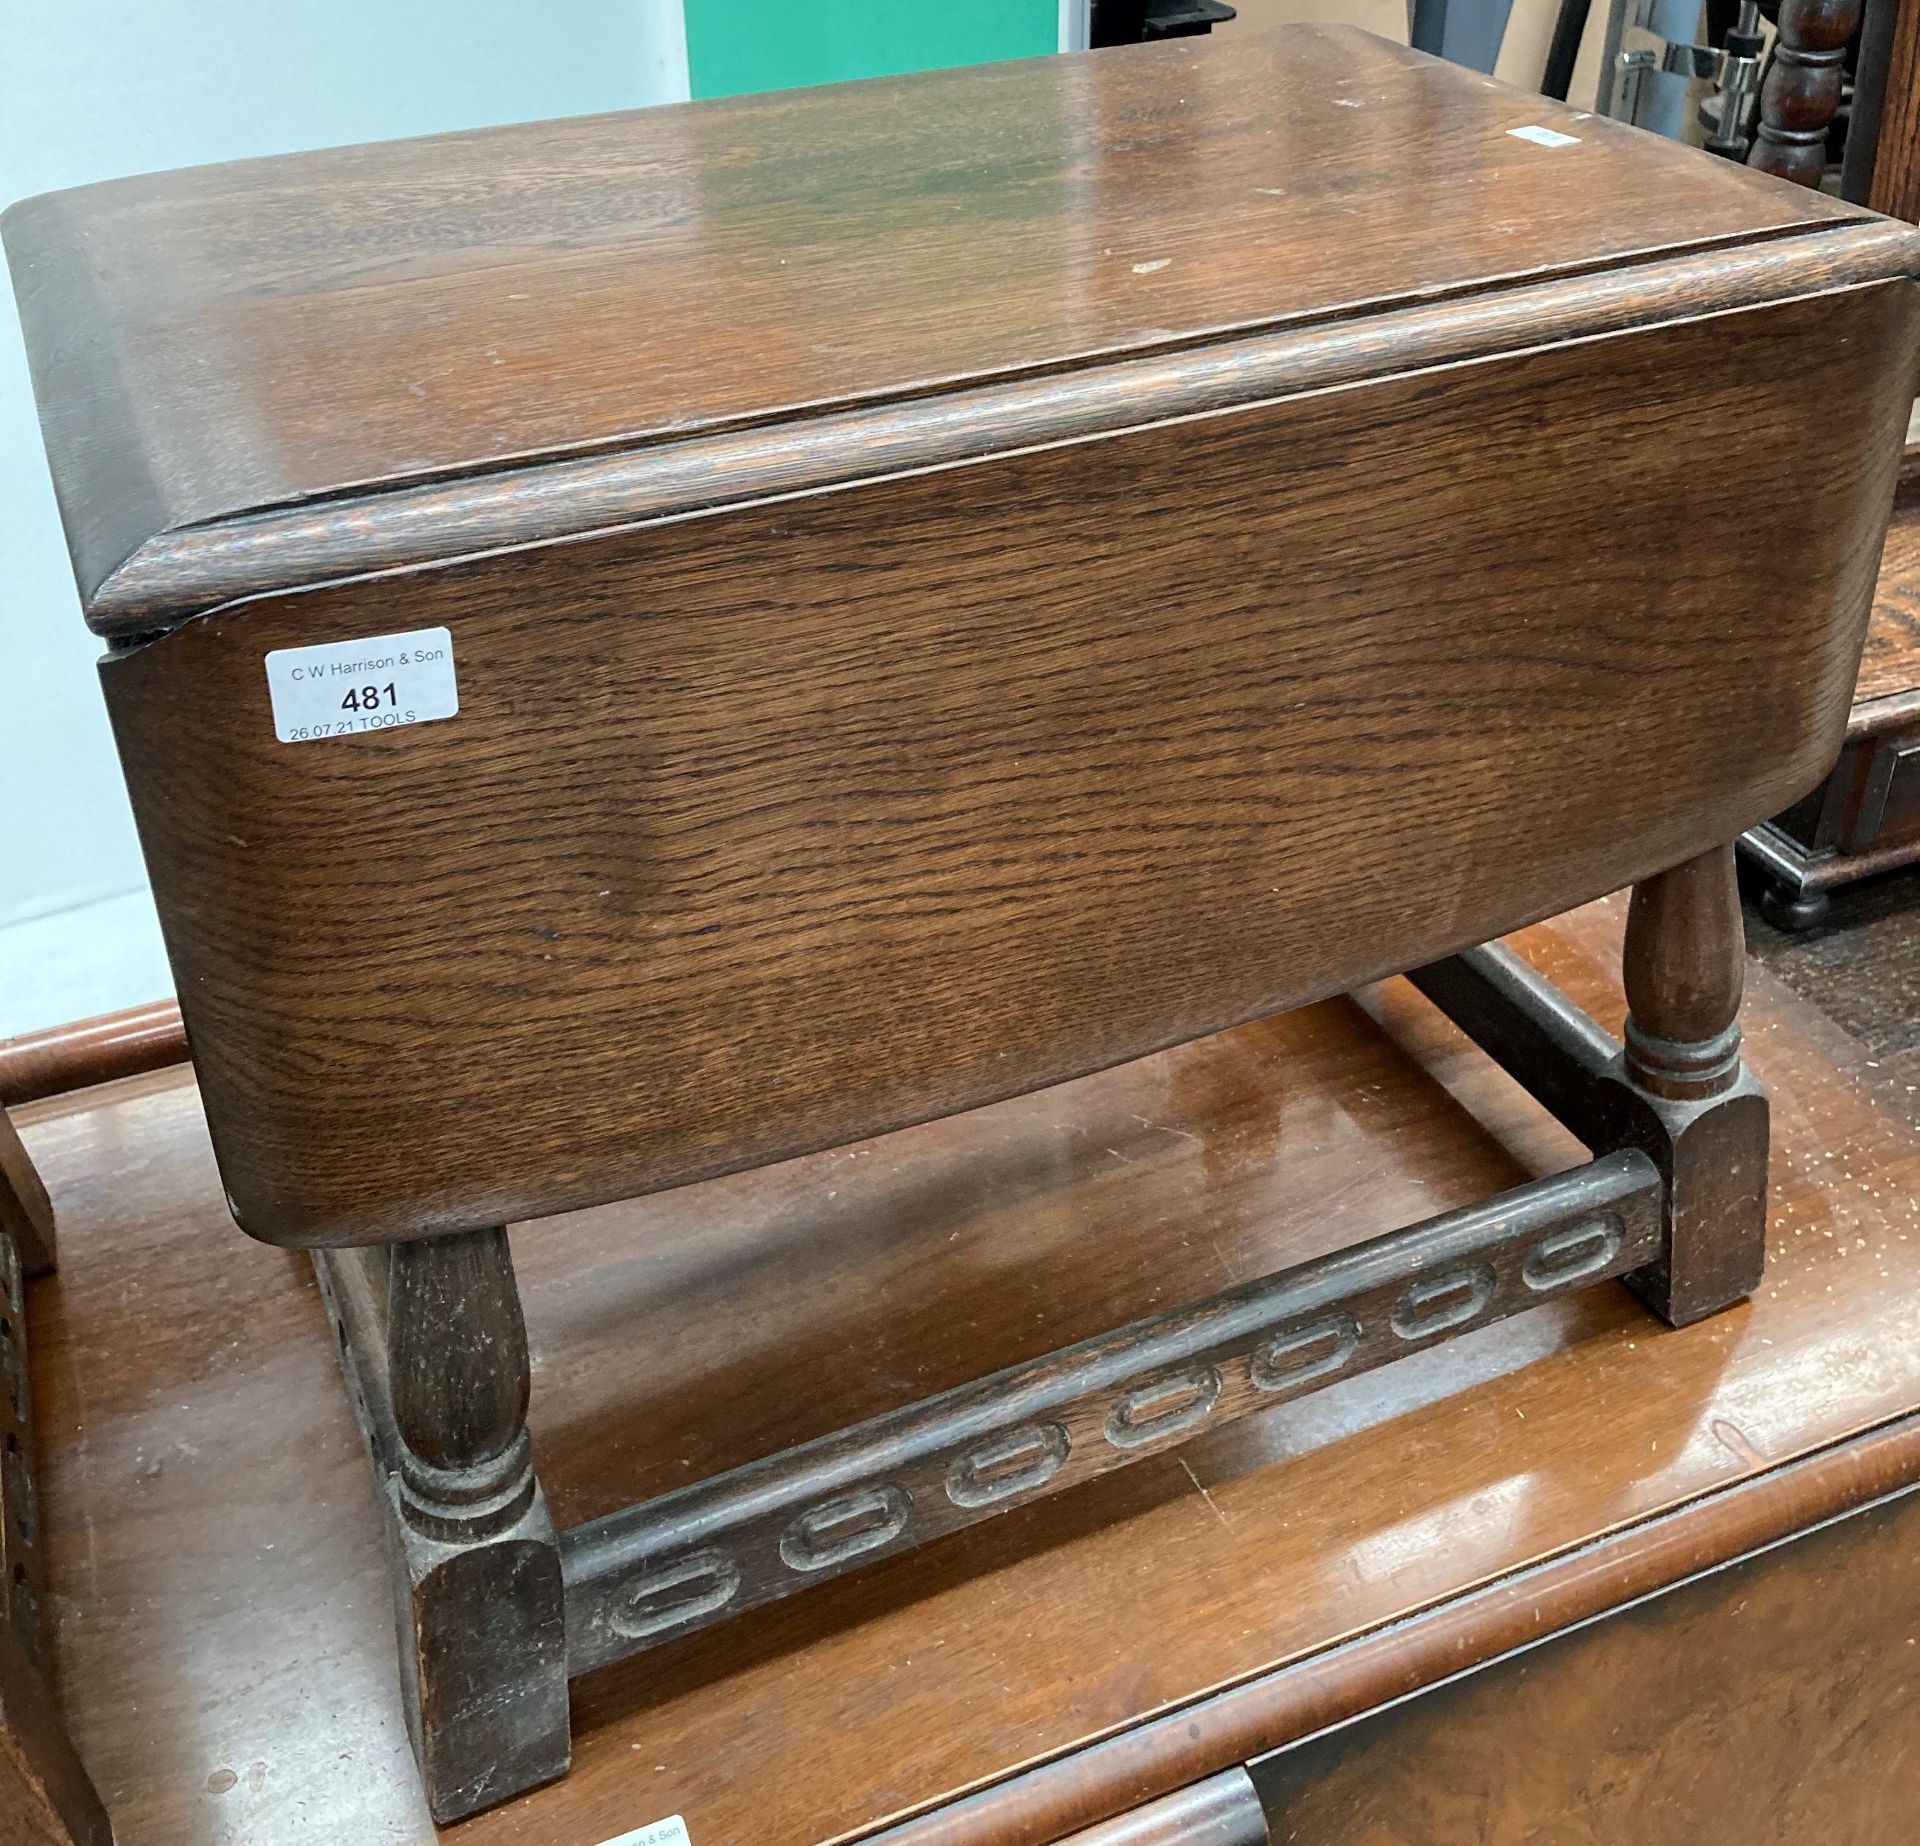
(1570, 1256)
(1438, 1304)
(1163, 1407)
(1010, 1465)
(674, 1594)
(843, 1528)
(1302, 1354)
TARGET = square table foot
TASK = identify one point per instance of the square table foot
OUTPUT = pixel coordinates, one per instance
(476, 1563)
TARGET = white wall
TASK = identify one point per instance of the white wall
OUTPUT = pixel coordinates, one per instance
(93, 89)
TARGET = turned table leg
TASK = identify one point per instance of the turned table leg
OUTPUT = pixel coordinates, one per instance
(482, 1624)
(1701, 1115)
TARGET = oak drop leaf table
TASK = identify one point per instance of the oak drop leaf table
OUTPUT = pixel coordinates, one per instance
(646, 646)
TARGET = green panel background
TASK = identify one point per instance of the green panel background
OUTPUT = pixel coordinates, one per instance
(739, 45)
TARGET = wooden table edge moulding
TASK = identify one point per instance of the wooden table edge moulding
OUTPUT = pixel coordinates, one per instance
(1133, 805)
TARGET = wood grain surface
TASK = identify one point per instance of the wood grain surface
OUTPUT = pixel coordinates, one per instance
(653, 1572)
(89, 1051)
(964, 740)
(1895, 188)
(1890, 664)
(1374, 1669)
(761, 832)
(1864, 818)
(188, 569)
(218, 1573)
(25, 1214)
(1791, 1720)
(230, 339)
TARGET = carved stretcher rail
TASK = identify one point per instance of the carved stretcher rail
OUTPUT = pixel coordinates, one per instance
(652, 1572)
(433, 1341)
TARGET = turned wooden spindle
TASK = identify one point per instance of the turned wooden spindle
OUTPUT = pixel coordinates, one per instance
(1683, 968)
(1687, 1097)
(1803, 87)
(486, 1698)
(457, 1358)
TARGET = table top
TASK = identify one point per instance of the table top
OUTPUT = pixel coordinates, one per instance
(224, 1632)
(266, 334)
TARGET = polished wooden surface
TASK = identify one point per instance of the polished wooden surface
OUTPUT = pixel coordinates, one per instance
(905, 799)
(846, 770)
(1766, 1704)
(89, 1051)
(26, 1215)
(1386, 1664)
(1864, 818)
(1890, 664)
(197, 567)
(1895, 188)
(228, 1662)
(257, 335)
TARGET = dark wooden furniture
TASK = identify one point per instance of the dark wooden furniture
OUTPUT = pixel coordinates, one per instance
(1802, 88)
(1893, 172)
(937, 610)
(45, 1796)
(1864, 819)
(226, 1630)
(1797, 1667)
